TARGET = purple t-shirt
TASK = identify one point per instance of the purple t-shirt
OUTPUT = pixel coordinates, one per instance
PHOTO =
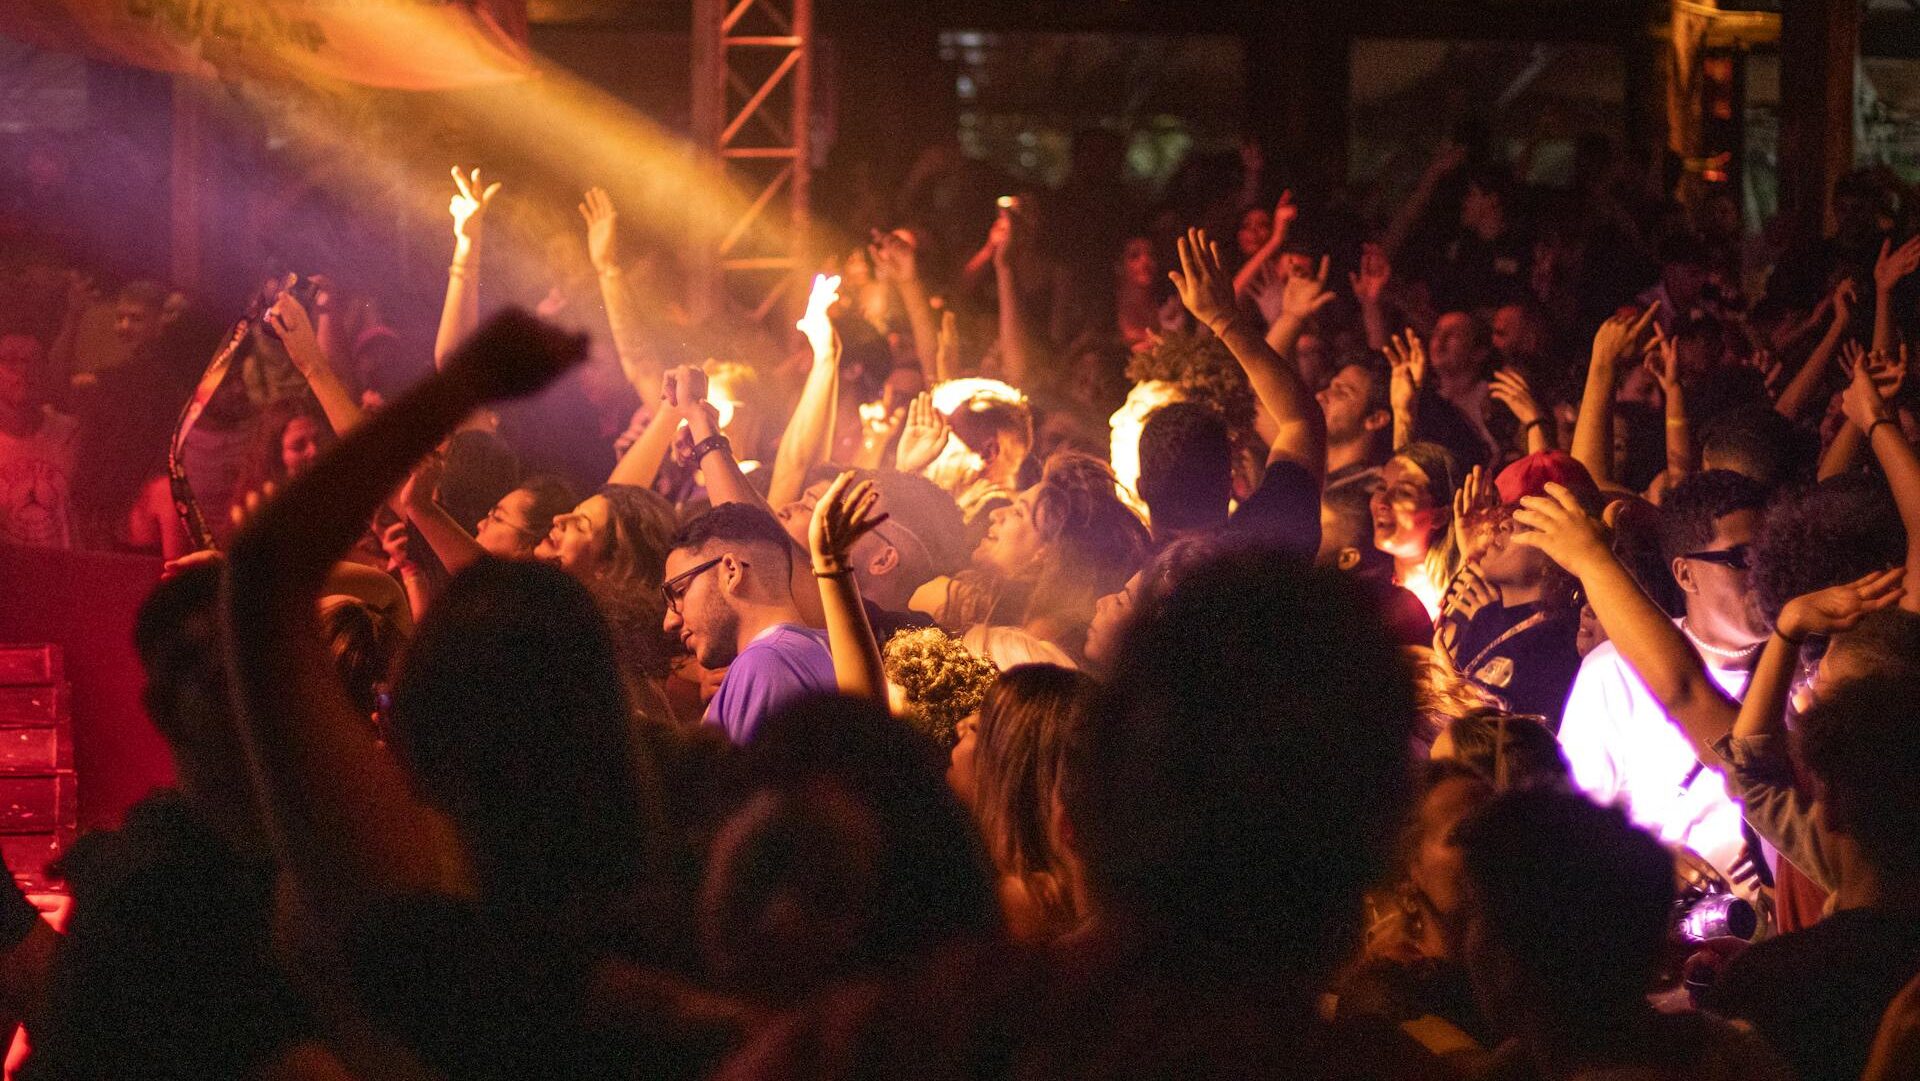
(784, 664)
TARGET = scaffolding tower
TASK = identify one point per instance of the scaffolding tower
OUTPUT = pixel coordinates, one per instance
(752, 92)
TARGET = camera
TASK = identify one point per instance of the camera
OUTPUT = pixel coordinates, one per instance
(1701, 915)
(1008, 203)
(302, 287)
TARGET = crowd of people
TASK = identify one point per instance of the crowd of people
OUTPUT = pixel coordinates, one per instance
(1232, 636)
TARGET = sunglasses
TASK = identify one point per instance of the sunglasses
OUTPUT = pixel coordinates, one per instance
(1738, 557)
(674, 589)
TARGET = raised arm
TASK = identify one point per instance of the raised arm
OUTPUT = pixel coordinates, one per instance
(289, 320)
(842, 516)
(460, 314)
(345, 823)
(451, 543)
(1672, 671)
(1892, 265)
(1301, 435)
(1867, 408)
(1369, 286)
(1807, 381)
(1448, 157)
(1407, 363)
(1593, 432)
(1510, 388)
(809, 434)
(1283, 214)
(637, 361)
(1664, 365)
(686, 394)
(896, 259)
(1017, 351)
(1300, 297)
(1759, 770)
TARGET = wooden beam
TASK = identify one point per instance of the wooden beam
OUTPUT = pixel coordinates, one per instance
(1818, 42)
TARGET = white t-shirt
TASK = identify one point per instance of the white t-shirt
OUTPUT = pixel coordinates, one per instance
(1624, 749)
(35, 504)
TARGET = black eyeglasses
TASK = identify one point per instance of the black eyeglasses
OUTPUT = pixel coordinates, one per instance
(1738, 557)
(675, 588)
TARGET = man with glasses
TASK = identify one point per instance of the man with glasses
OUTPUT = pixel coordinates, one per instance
(1620, 743)
(730, 603)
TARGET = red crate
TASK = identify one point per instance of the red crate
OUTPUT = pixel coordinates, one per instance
(34, 707)
(30, 665)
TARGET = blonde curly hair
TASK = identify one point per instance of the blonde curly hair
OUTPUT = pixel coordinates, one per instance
(942, 681)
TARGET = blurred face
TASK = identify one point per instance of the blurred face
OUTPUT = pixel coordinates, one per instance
(1314, 356)
(507, 531)
(1344, 403)
(1295, 264)
(1435, 868)
(1506, 563)
(1720, 603)
(1138, 267)
(1405, 515)
(1590, 634)
(699, 611)
(1013, 541)
(299, 445)
(1454, 350)
(136, 323)
(1256, 228)
(960, 775)
(573, 541)
(1514, 335)
(1111, 614)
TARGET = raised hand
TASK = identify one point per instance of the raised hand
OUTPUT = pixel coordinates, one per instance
(469, 204)
(895, 255)
(1839, 608)
(816, 324)
(423, 484)
(603, 230)
(1663, 362)
(1302, 296)
(243, 510)
(1510, 388)
(1845, 296)
(1895, 263)
(1372, 277)
(1467, 594)
(1864, 402)
(1475, 496)
(683, 387)
(946, 352)
(1620, 335)
(1763, 361)
(1204, 284)
(1284, 212)
(1408, 358)
(922, 437)
(844, 514)
(514, 355)
(1558, 526)
(393, 541)
(289, 320)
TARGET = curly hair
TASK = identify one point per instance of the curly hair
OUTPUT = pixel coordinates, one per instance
(1831, 533)
(1204, 371)
(943, 681)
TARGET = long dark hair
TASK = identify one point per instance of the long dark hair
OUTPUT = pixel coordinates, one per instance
(1017, 752)
(510, 714)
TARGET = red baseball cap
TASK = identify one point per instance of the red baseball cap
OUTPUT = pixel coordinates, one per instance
(1531, 475)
